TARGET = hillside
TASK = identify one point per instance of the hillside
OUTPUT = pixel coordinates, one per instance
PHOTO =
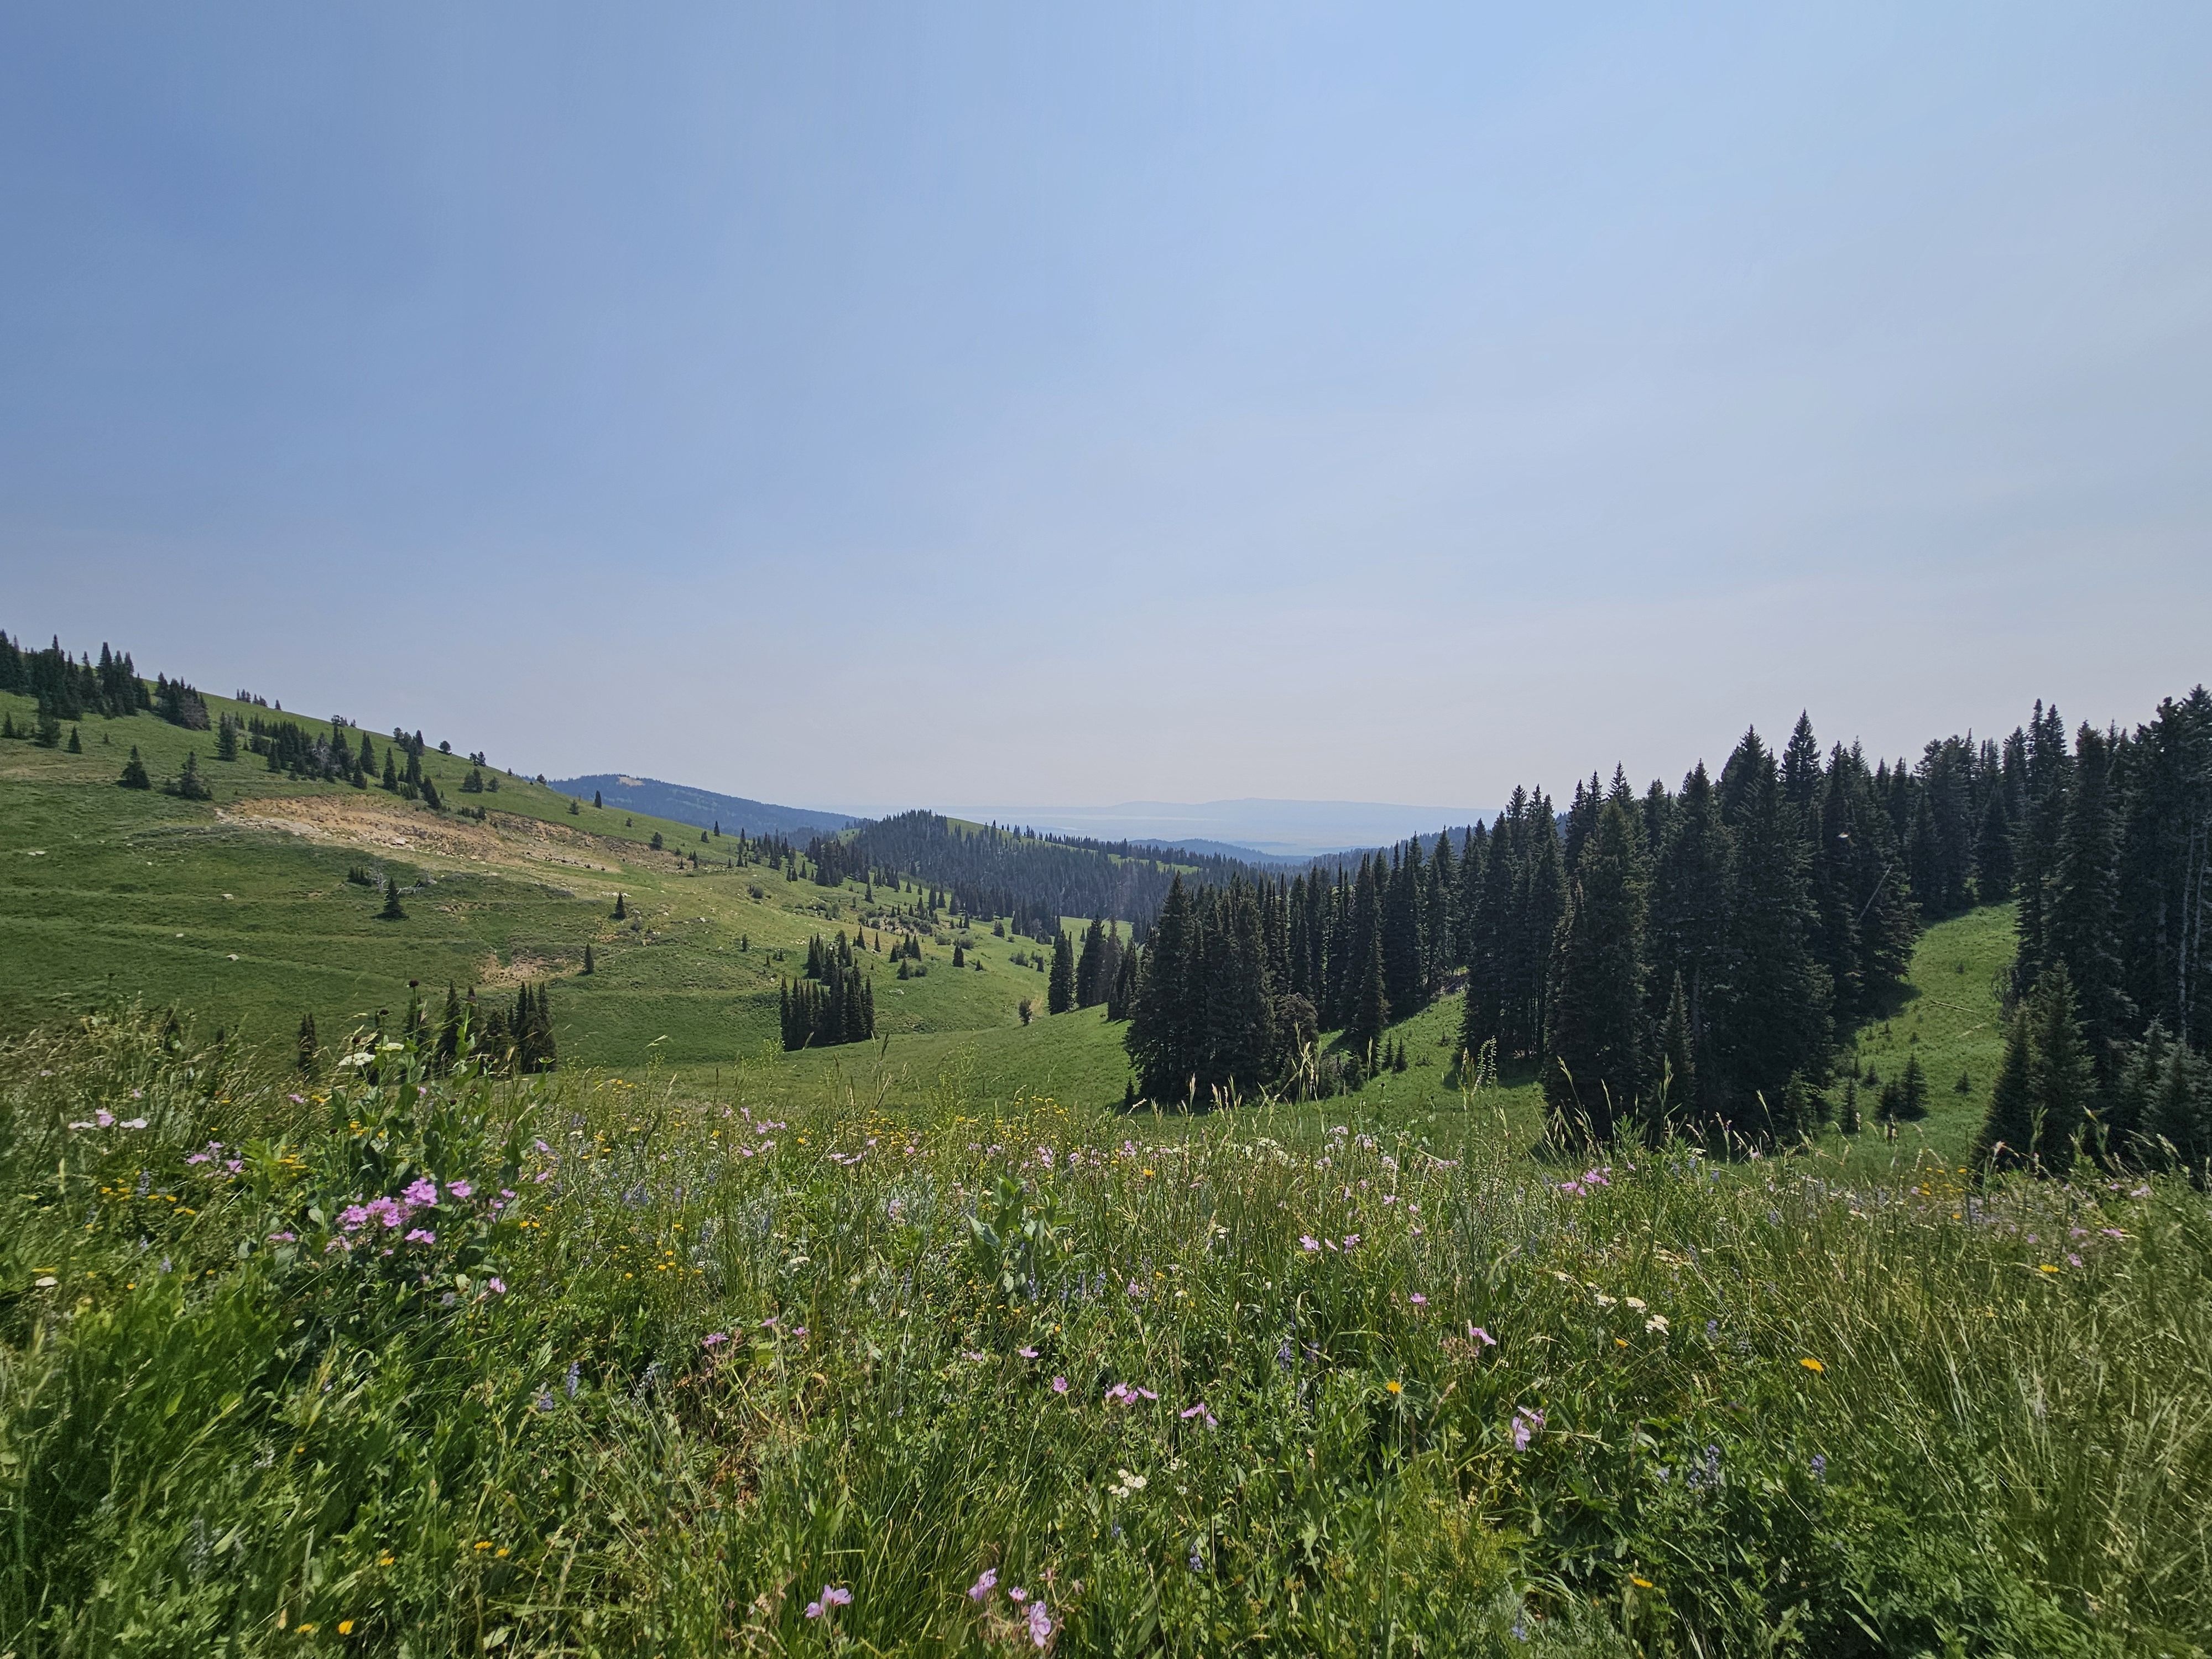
(702, 809)
(239, 908)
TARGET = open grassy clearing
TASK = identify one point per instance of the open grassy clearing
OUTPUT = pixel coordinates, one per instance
(238, 909)
(649, 1370)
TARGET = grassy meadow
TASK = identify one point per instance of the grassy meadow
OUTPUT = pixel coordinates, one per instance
(239, 910)
(676, 1349)
(413, 1364)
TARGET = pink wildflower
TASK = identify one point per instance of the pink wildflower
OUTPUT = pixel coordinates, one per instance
(984, 1584)
(459, 1189)
(1060, 1385)
(1040, 1625)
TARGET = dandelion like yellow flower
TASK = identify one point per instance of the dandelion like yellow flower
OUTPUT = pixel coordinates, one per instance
(483, 1543)
(2047, 1268)
(345, 1626)
(1812, 1365)
(1641, 1583)
(1394, 1386)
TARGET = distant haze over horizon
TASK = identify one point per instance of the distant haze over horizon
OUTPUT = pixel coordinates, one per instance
(1279, 829)
(1093, 404)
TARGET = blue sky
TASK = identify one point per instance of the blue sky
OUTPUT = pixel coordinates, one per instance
(1000, 407)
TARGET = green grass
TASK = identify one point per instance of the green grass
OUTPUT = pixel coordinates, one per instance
(109, 895)
(707, 1384)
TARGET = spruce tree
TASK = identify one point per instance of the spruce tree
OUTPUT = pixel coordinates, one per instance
(1160, 1038)
(1774, 1019)
(2040, 1100)
(1090, 966)
(622, 909)
(76, 742)
(1668, 1100)
(1593, 1066)
(1993, 852)
(305, 1052)
(1059, 991)
(392, 912)
(589, 966)
(2083, 906)
(134, 772)
(2007, 1137)
(1913, 1090)
(1370, 1006)
(190, 785)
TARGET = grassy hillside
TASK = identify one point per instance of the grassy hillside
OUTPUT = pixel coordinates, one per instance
(239, 908)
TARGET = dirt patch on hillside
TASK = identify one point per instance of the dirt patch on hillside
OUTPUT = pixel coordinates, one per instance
(389, 827)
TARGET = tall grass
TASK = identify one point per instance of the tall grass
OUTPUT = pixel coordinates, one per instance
(656, 1372)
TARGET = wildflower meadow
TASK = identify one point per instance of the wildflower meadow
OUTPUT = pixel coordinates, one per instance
(411, 1362)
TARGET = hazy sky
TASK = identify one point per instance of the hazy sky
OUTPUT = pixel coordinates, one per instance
(997, 407)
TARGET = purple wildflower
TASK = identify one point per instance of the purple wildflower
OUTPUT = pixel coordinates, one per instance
(1040, 1625)
(459, 1189)
(422, 1236)
(716, 1339)
(1026, 1353)
(984, 1584)
(422, 1191)
(1418, 1300)
(496, 1286)
(1527, 1423)
(1307, 1241)
(1060, 1385)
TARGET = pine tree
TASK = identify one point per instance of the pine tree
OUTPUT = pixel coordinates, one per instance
(1667, 1101)
(305, 1052)
(622, 909)
(2040, 1098)
(1160, 1040)
(392, 912)
(2083, 906)
(1913, 1090)
(1774, 1020)
(1593, 1066)
(1993, 852)
(134, 772)
(1090, 966)
(1059, 991)
(226, 739)
(76, 742)
(190, 785)
(1370, 1007)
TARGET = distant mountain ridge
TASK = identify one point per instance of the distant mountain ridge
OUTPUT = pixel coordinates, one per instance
(703, 807)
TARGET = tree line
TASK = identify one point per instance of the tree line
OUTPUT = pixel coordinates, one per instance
(2107, 1042)
(1683, 960)
(992, 871)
